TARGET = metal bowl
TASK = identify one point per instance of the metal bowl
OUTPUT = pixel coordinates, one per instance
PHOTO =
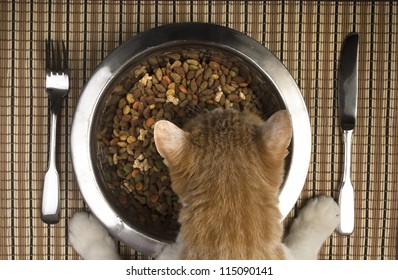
(271, 82)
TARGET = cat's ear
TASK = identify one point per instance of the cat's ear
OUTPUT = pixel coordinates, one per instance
(277, 133)
(169, 140)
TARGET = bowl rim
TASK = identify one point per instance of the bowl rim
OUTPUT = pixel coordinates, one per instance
(148, 42)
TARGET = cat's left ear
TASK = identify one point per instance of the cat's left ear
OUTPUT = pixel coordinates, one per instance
(277, 133)
(169, 140)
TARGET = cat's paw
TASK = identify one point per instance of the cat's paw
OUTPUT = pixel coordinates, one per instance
(172, 251)
(90, 239)
(314, 224)
(320, 214)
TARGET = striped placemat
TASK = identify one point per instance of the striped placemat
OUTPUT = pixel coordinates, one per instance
(306, 36)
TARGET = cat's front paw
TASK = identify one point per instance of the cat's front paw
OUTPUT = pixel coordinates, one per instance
(314, 224)
(90, 239)
(320, 214)
(172, 251)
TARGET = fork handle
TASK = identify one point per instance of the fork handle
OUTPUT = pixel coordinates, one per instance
(51, 188)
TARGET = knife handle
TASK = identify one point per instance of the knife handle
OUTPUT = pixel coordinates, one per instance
(346, 198)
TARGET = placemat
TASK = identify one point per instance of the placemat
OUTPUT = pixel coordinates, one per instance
(305, 36)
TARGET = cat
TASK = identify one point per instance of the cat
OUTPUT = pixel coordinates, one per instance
(226, 168)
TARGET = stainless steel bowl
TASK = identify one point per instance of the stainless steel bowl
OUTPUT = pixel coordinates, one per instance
(272, 83)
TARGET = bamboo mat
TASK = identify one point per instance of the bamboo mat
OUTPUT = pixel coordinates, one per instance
(306, 36)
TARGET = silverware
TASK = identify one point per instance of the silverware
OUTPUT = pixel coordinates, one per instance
(348, 92)
(57, 87)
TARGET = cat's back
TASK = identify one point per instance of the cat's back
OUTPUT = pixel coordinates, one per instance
(234, 199)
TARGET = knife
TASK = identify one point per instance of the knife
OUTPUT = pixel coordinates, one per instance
(347, 96)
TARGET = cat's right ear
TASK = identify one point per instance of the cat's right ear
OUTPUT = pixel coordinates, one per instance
(277, 133)
(169, 140)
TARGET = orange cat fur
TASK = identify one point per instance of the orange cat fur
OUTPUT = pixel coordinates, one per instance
(227, 167)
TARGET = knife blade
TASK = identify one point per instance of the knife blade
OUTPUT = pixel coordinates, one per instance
(347, 96)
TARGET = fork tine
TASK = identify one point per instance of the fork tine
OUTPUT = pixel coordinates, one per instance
(58, 59)
(65, 53)
(53, 58)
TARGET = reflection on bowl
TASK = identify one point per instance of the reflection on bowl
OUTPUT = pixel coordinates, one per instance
(123, 180)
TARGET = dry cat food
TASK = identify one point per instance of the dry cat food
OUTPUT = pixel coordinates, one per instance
(175, 87)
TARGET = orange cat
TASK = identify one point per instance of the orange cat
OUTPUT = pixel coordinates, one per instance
(226, 168)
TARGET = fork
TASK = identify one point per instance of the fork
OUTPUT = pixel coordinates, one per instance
(57, 87)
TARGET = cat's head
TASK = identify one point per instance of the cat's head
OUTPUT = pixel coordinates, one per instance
(224, 148)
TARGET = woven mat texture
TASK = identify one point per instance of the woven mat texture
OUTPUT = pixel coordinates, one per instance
(305, 36)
